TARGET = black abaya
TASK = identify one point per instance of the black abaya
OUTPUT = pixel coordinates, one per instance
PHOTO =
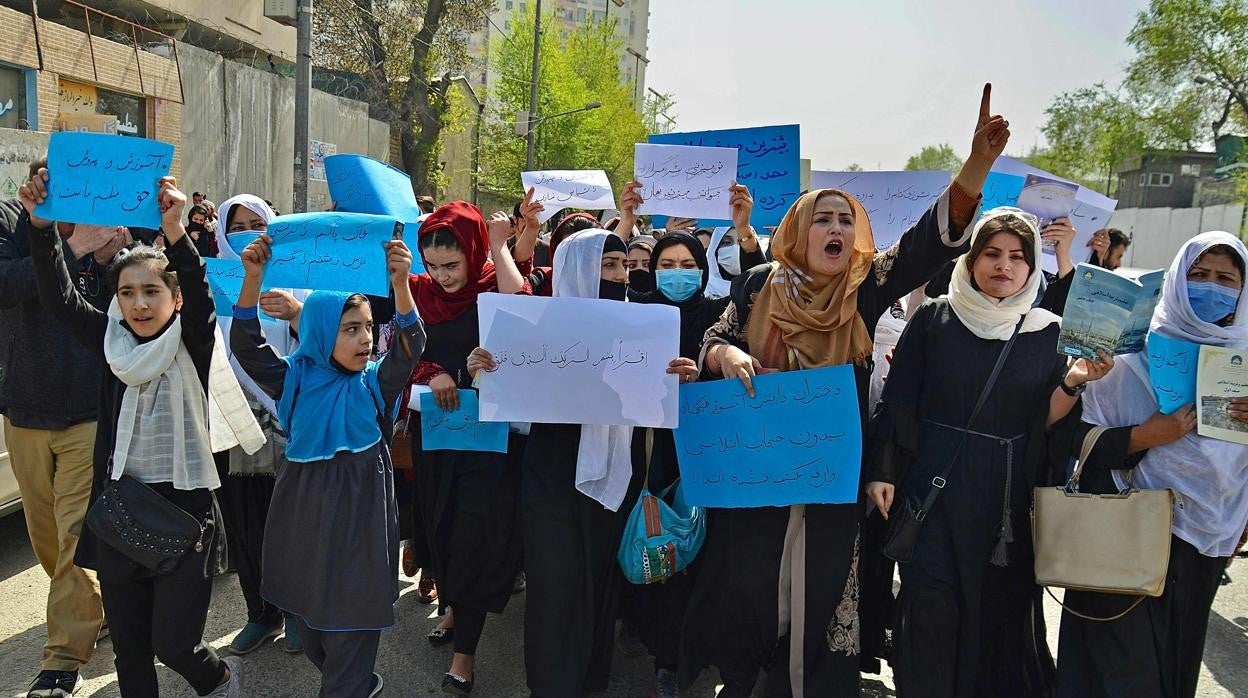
(969, 623)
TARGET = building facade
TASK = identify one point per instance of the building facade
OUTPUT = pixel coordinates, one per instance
(632, 28)
(1164, 179)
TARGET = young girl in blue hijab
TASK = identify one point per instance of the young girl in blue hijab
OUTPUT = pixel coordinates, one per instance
(331, 540)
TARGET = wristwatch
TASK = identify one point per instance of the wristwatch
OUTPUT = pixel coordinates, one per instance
(1075, 391)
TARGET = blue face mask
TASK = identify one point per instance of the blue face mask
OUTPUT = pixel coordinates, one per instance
(1211, 301)
(679, 285)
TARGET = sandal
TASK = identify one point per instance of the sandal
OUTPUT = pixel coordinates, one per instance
(456, 685)
(441, 636)
(427, 591)
(409, 560)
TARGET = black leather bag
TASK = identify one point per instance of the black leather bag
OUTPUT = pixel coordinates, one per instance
(904, 521)
(135, 520)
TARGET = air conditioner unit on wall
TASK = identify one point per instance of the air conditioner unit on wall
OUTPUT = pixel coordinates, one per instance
(284, 11)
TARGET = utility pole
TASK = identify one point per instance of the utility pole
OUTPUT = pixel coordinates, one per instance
(537, 52)
(303, 94)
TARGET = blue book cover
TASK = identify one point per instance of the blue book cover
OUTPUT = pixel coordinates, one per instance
(1108, 312)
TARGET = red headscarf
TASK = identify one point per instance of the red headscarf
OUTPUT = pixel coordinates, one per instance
(466, 223)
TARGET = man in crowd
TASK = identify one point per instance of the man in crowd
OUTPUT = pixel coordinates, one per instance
(49, 385)
(1108, 246)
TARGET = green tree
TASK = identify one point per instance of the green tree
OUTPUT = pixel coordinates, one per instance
(575, 68)
(406, 51)
(1192, 63)
(935, 157)
(853, 167)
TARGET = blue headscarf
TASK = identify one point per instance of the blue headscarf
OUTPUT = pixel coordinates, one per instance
(337, 410)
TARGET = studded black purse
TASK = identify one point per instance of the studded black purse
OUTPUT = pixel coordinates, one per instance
(135, 520)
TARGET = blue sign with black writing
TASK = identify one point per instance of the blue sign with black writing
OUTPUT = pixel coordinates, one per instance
(459, 430)
(1172, 371)
(104, 179)
(797, 441)
(360, 184)
(768, 162)
(328, 251)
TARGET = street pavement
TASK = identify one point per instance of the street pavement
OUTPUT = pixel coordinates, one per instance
(412, 668)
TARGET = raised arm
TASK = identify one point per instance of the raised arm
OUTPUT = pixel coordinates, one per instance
(57, 292)
(944, 231)
(199, 318)
(526, 240)
(395, 369)
(509, 278)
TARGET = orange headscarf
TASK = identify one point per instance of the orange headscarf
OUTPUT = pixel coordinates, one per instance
(803, 320)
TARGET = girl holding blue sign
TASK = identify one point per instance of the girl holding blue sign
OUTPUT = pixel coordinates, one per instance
(168, 370)
(467, 502)
(1156, 649)
(336, 488)
(793, 572)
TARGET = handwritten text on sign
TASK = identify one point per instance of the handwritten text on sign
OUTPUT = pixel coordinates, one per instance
(591, 361)
(689, 181)
(328, 252)
(768, 162)
(560, 189)
(359, 184)
(225, 278)
(102, 179)
(797, 441)
(1172, 371)
(895, 201)
(459, 430)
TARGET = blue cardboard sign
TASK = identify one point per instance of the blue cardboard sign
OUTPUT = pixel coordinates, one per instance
(225, 280)
(768, 162)
(1001, 189)
(797, 441)
(459, 430)
(360, 184)
(103, 179)
(1172, 371)
(328, 252)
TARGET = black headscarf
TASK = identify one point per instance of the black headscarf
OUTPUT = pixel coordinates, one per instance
(699, 312)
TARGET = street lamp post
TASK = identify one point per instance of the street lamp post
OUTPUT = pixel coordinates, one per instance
(534, 120)
(537, 52)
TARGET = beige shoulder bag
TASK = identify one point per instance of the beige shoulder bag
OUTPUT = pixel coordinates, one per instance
(1109, 543)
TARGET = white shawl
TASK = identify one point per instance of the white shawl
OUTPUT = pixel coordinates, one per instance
(1210, 475)
(604, 464)
(164, 411)
(989, 318)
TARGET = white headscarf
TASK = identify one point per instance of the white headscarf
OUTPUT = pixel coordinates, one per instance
(604, 464)
(1174, 316)
(1210, 475)
(989, 318)
(276, 332)
(716, 286)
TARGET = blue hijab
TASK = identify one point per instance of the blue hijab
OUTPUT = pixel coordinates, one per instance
(337, 410)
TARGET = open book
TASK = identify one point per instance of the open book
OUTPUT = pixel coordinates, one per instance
(1107, 312)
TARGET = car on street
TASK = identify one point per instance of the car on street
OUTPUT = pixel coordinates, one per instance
(10, 497)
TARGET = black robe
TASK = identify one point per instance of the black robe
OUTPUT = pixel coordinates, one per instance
(466, 502)
(966, 626)
(733, 619)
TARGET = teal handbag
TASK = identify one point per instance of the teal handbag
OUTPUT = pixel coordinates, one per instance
(660, 540)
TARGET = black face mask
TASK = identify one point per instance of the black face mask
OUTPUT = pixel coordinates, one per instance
(612, 290)
(639, 280)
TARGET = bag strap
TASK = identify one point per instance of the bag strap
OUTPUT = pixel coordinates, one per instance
(939, 482)
(1139, 600)
(1089, 443)
(645, 483)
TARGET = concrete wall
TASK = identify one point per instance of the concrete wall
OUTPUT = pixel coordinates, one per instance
(242, 20)
(17, 150)
(1158, 233)
(238, 130)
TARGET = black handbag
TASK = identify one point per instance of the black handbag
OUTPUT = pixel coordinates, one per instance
(135, 520)
(904, 521)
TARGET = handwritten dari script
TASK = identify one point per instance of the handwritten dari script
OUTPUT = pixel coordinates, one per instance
(103, 179)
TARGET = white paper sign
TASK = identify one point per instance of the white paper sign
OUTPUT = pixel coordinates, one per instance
(560, 189)
(1091, 213)
(579, 361)
(895, 201)
(685, 180)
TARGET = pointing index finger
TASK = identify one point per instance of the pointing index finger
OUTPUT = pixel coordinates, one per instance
(985, 110)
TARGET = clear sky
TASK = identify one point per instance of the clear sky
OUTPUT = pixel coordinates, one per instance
(873, 81)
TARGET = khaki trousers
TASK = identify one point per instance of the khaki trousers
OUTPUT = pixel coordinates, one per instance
(53, 469)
